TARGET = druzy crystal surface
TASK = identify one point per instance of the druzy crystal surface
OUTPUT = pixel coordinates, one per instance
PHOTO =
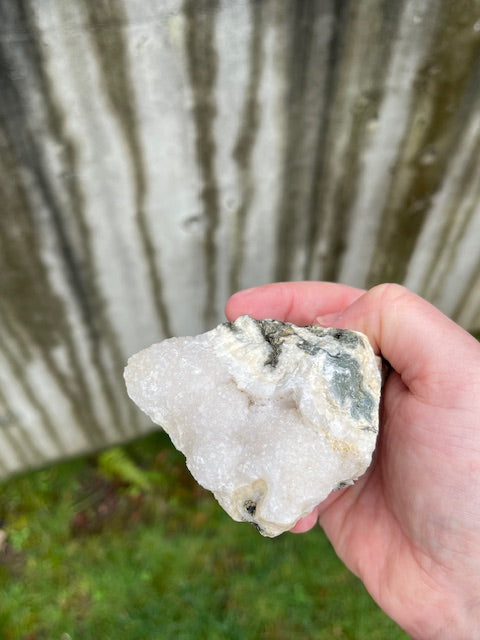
(270, 416)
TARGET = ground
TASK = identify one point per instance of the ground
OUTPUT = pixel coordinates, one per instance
(126, 546)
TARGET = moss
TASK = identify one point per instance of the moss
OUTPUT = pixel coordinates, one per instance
(243, 149)
(444, 90)
(202, 72)
(107, 20)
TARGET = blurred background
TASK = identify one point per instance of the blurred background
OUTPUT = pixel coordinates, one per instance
(155, 157)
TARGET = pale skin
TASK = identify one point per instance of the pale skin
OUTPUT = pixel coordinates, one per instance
(410, 527)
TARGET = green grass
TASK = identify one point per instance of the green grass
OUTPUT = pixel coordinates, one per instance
(95, 553)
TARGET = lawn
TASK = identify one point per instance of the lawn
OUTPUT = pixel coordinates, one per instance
(126, 546)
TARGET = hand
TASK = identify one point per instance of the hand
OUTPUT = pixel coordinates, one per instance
(410, 526)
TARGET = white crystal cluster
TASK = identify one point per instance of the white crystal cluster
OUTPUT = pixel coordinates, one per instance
(270, 416)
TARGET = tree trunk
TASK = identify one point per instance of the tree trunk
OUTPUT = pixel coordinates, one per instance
(155, 156)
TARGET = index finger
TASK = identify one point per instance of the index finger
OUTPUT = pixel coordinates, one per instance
(297, 302)
(434, 356)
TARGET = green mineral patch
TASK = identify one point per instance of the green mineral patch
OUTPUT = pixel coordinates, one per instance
(347, 386)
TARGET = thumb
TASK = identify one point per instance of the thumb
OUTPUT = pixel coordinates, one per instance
(424, 346)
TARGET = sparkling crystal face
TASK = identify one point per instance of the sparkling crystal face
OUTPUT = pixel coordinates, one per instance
(270, 416)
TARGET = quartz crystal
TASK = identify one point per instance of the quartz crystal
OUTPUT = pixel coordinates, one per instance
(270, 416)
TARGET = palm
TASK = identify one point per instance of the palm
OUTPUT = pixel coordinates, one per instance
(386, 528)
(409, 528)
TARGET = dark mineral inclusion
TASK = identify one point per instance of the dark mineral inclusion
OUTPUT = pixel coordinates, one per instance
(347, 380)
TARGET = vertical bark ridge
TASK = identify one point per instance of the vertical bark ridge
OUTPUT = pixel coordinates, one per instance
(106, 20)
(244, 144)
(18, 438)
(430, 138)
(300, 19)
(339, 161)
(72, 232)
(202, 73)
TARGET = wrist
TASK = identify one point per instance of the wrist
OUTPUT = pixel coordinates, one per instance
(453, 619)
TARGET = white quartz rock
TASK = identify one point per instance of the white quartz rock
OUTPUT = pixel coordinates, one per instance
(270, 416)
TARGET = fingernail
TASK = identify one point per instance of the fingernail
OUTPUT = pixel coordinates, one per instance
(328, 319)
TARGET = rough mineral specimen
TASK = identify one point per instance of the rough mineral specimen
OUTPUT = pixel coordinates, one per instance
(270, 416)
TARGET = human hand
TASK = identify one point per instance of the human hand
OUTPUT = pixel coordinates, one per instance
(410, 526)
